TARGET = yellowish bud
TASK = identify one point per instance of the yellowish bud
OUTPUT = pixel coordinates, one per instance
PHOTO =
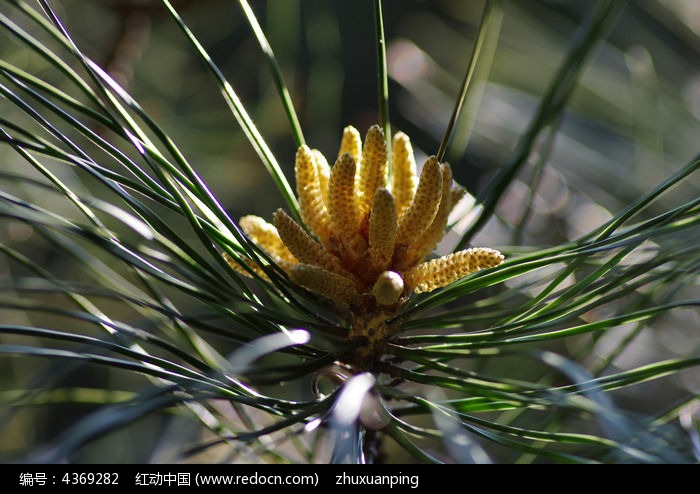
(421, 213)
(311, 206)
(438, 273)
(372, 174)
(351, 144)
(324, 173)
(265, 236)
(405, 178)
(304, 248)
(382, 229)
(425, 244)
(237, 266)
(388, 288)
(330, 285)
(342, 205)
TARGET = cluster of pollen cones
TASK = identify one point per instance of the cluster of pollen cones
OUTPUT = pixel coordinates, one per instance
(368, 229)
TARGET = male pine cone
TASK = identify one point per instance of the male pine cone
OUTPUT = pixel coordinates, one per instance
(365, 236)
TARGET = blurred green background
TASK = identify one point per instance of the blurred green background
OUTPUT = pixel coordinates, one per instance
(633, 120)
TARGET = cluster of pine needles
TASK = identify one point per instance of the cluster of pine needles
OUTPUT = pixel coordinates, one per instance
(350, 328)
